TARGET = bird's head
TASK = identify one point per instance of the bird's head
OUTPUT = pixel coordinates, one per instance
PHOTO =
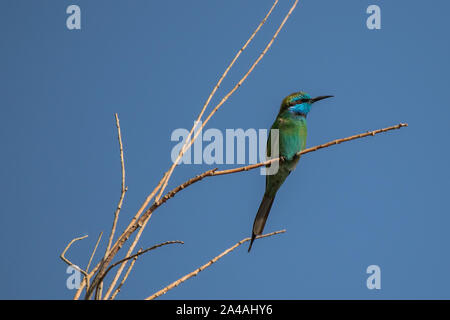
(299, 103)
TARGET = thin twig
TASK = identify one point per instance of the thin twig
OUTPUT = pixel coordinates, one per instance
(93, 252)
(206, 265)
(62, 256)
(67, 260)
(123, 189)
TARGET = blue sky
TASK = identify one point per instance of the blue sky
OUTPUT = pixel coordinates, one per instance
(376, 201)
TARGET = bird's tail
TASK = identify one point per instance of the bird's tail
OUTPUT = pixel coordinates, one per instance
(261, 217)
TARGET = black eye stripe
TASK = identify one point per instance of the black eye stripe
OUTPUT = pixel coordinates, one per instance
(295, 102)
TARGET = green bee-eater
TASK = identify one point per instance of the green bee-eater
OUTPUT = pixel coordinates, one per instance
(291, 125)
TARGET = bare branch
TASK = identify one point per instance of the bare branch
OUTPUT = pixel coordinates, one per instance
(144, 251)
(62, 256)
(123, 189)
(305, 151)
(93, 252)
(67, 260)
(206, 265)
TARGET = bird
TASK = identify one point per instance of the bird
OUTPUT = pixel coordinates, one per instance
(292, 131)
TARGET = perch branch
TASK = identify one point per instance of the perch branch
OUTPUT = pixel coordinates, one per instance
(312, 149)
(206, 265)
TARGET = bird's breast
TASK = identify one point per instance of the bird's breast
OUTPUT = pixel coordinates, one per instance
(292, 135)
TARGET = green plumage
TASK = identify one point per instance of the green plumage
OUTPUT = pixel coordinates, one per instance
(292, 139)
(292, 131)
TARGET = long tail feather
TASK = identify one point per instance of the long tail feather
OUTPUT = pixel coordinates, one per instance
(261, 217)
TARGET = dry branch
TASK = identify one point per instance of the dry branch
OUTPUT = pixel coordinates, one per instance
(312, 149)
(62, 256)
(123, 189)
(93, 252)
(67, 260)
(206, 265)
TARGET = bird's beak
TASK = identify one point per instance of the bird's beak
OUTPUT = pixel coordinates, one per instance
(320, 98)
